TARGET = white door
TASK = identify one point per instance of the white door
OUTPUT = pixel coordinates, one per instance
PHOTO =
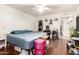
(65, 28)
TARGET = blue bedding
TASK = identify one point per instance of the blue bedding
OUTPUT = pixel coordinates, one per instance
(24, 40)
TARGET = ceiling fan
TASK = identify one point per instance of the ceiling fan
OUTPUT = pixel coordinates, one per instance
(41, 8)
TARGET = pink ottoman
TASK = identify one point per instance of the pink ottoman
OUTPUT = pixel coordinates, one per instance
(39, 52)
(39, 47)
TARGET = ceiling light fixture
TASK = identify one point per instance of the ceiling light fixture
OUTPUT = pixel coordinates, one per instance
(41, 8)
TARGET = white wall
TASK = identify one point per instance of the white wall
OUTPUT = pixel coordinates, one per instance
(11, 19)
(56, 24)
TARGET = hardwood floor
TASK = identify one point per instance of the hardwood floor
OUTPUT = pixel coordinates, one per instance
(55, 47)
(8, 51)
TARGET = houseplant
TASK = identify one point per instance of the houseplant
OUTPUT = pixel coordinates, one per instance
(73, 32)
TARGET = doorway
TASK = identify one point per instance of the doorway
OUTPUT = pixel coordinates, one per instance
(64, 27)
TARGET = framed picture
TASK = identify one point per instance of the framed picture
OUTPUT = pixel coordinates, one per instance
(56, 19)
(46, 20)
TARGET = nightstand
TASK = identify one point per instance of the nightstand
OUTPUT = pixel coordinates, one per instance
(3, 38)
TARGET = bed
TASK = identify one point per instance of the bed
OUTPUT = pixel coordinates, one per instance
(24, 40)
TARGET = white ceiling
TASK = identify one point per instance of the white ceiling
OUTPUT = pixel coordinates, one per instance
(58, 8)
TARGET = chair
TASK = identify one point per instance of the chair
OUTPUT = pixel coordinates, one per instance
(55, 34)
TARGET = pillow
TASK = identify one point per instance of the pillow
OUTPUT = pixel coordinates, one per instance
(20, 31)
